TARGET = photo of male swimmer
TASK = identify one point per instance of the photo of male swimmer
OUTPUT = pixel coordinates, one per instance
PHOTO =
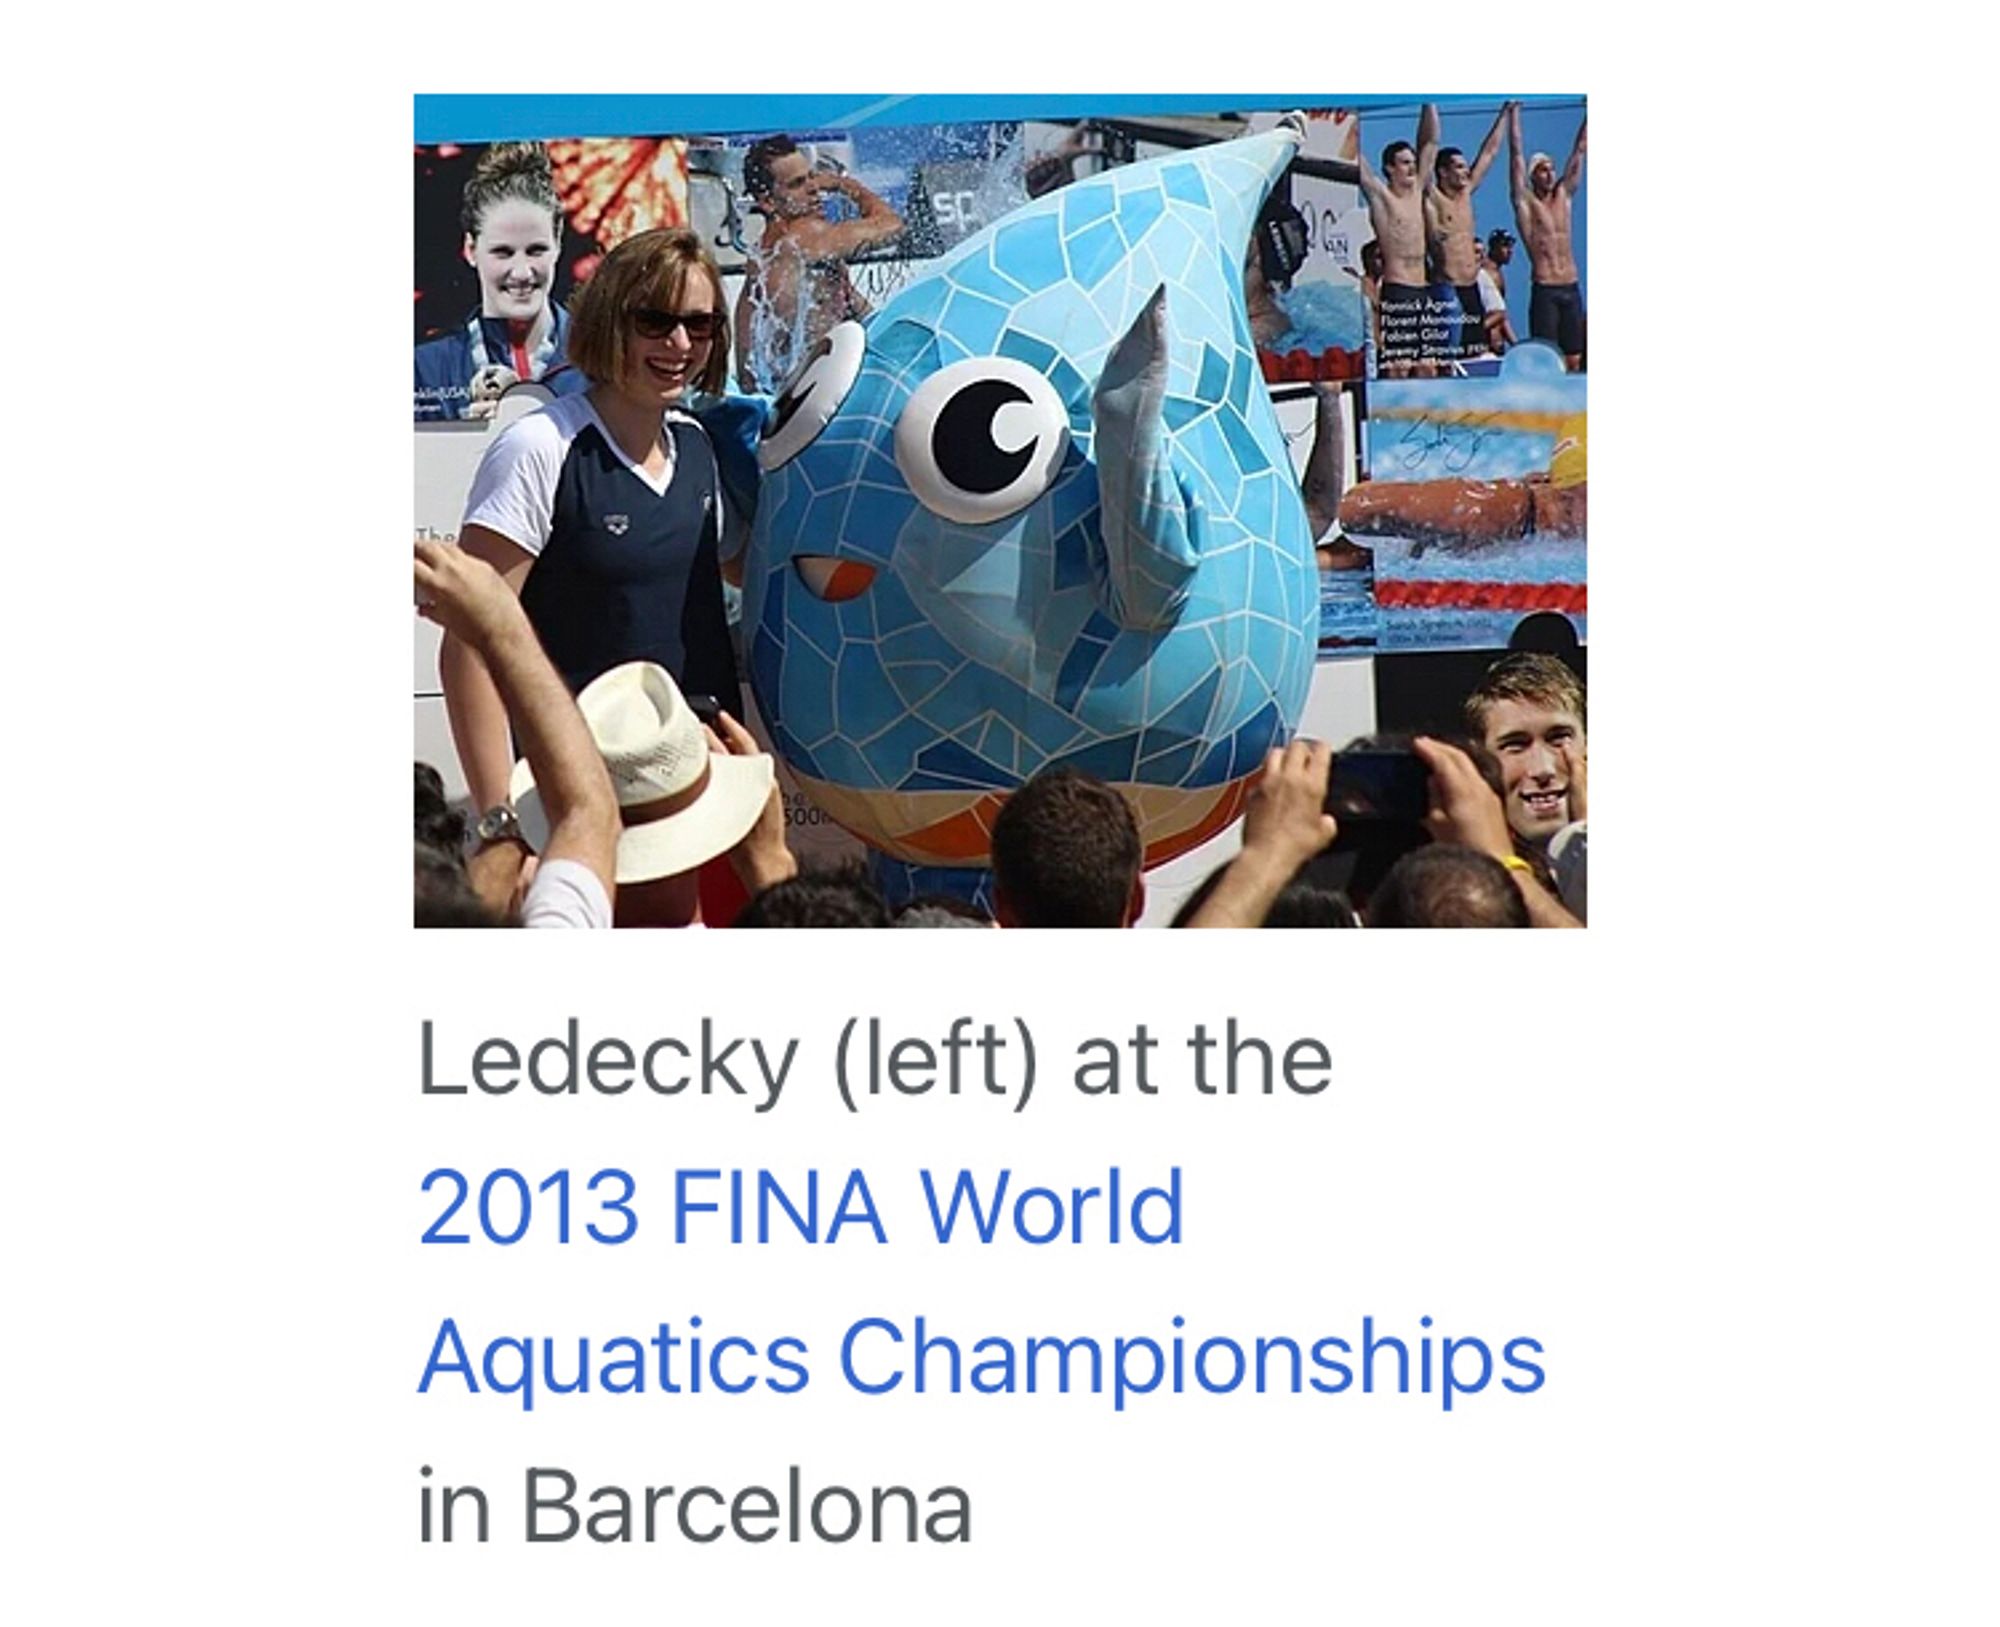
(1455, 514)
(1542, 211)
(1280, 244)
(796, 284)
(1452, 236)
(1396, 214)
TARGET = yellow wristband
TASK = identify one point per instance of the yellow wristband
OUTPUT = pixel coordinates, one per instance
(1514, 861)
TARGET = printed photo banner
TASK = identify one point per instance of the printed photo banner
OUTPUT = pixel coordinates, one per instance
(1416, 297)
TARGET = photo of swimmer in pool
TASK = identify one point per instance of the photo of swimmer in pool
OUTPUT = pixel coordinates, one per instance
(1304, 279)
(1469, 510)
(1464, 515)
(1454, 512)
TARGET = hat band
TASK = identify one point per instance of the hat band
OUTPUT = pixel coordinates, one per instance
(648, 813)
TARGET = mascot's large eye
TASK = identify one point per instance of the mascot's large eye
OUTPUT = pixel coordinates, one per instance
(812, 395)
(982, 439)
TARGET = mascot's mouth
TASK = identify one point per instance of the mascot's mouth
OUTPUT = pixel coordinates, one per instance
(833, 579)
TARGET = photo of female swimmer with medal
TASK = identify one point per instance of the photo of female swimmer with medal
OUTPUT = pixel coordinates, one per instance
(513, 236)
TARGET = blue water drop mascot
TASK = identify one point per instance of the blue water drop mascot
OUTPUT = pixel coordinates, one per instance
(1037, 509)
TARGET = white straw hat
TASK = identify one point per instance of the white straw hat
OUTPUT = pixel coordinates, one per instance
(681, 803)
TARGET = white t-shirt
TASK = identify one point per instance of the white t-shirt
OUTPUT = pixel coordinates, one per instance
(514, 488)
(567, 894)
(1490, 295)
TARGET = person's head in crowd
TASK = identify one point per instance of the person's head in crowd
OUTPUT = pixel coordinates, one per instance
(941, 910)
(680, 801)
(1306, 903)
(513, 229)
(1371, 259)
(439, 824)
(1399, 164)
(1452, 171)
(1528, 711)
(1442, 884)
(1499, 245)
(445, 896)
(651, 322)
(845, 897)
(778, 177)
(1066, 852)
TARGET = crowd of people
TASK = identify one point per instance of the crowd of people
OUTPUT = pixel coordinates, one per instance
(629, 809)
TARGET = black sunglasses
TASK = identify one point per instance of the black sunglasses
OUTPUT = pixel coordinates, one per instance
(649, 323)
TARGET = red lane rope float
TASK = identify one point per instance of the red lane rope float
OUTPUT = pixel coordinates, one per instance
(1569, 598)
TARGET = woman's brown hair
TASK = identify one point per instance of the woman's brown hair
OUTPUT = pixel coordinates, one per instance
(511, 170)
(648, 269)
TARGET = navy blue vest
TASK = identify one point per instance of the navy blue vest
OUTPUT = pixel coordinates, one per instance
(630, 575)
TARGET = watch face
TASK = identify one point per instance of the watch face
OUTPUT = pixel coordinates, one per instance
(497, 824)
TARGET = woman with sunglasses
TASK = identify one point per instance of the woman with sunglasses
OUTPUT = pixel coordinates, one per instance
(604, 511)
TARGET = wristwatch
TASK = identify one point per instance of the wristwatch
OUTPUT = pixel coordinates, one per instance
(497, 824)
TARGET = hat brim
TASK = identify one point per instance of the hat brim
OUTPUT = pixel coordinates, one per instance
(737, 790)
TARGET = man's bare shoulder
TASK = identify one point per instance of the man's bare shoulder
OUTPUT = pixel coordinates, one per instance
(808, 237)
(777, 260)
(779, 238)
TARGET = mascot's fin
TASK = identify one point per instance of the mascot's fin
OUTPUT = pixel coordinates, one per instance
(1152, 521)
(1151, 545)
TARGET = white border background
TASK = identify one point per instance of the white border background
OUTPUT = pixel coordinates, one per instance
(1725, 1154)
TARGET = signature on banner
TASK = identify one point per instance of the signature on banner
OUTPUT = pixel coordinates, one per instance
(1453, 443)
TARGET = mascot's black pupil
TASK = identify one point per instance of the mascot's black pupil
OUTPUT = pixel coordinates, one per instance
(795, 397)
(962, 438)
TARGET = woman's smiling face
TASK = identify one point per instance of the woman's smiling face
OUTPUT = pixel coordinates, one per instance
(667, 367)
(515, 256)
